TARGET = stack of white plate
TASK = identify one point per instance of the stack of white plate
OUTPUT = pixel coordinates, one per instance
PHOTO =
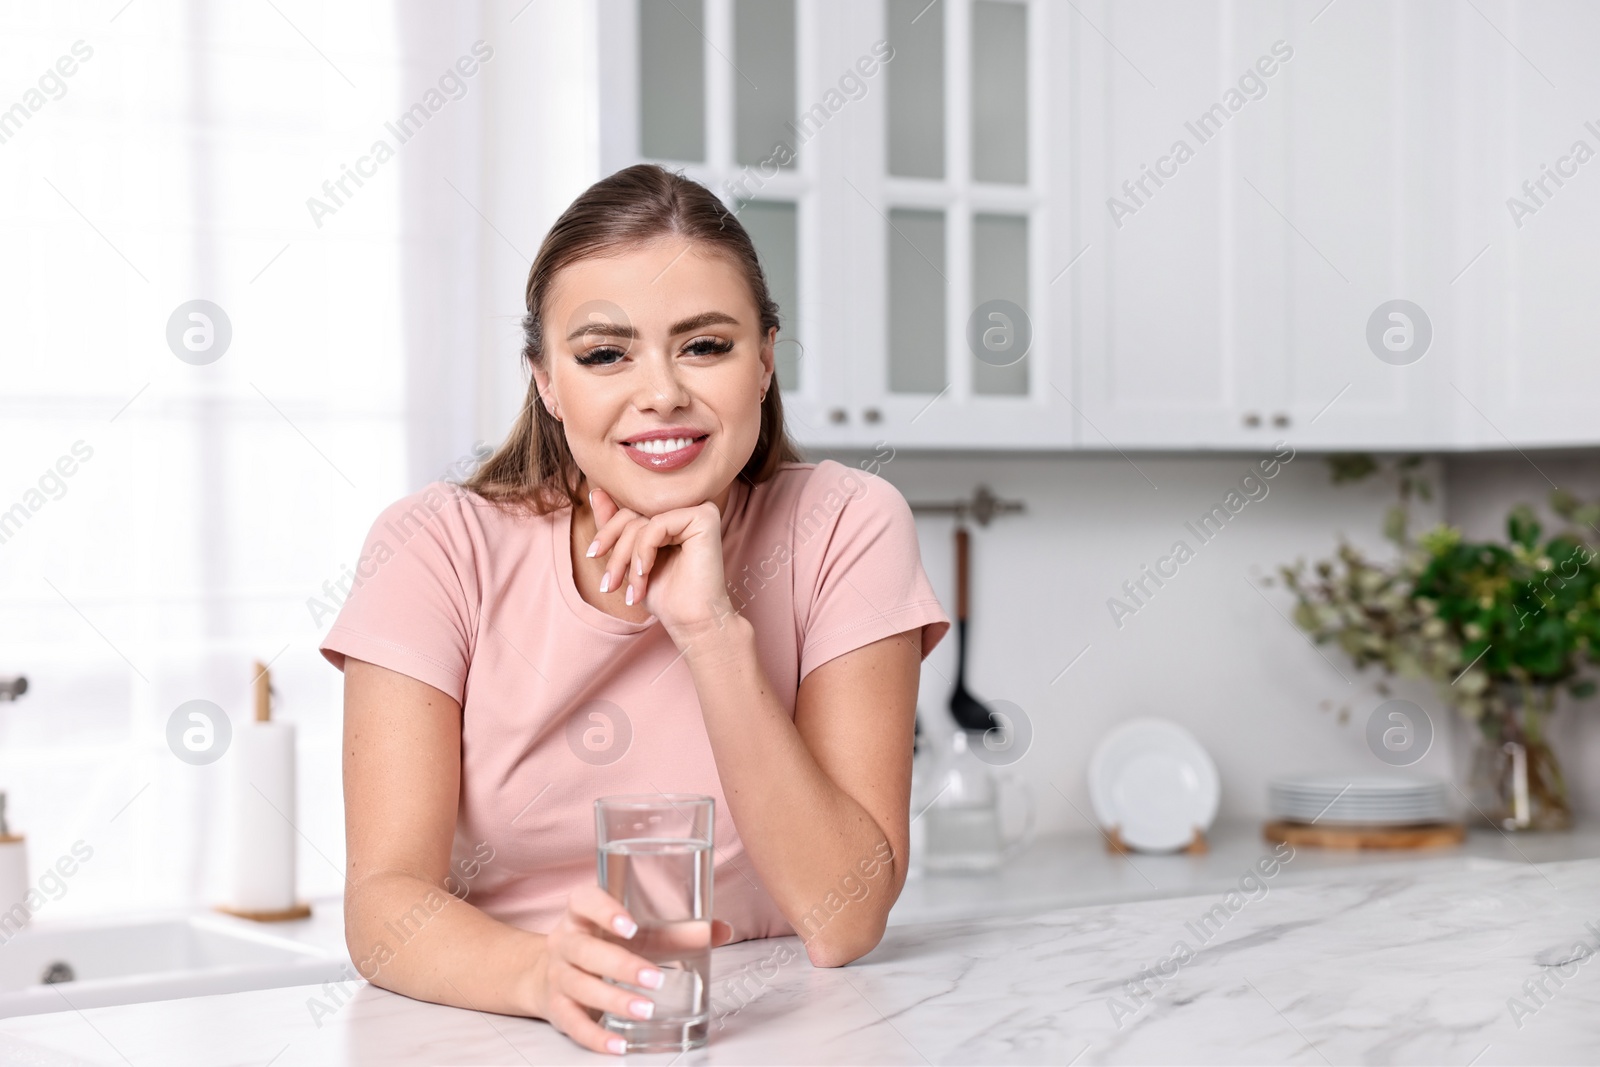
(1347, 800)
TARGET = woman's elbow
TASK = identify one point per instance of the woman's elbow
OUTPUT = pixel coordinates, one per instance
(844, 947)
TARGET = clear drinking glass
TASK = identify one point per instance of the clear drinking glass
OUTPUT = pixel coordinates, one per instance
(654, 855)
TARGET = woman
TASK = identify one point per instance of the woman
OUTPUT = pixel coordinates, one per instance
(642, 590)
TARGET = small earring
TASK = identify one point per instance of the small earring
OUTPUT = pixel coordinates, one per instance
(762, 398)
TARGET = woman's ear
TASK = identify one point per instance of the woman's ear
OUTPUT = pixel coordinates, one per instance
(767, 359)
(541, 378)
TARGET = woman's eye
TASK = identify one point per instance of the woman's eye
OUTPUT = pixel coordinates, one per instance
(600, 357)
(707, 346)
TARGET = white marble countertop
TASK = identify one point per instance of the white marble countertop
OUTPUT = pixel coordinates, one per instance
(1066, 871)
(1332, 959)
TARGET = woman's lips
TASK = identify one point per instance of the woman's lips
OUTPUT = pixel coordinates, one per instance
(674, 453)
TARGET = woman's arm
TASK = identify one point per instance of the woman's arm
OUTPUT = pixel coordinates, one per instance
(402, 776)
(405, 932)
(821, 801)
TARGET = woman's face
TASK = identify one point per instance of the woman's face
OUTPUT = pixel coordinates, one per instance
(655, 363)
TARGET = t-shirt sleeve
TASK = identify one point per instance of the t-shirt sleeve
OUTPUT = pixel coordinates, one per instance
(413, 603)
(868, 578)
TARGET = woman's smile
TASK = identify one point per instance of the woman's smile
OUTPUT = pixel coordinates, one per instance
(668, 449)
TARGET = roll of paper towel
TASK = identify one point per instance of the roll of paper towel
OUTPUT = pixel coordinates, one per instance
(262, 815)
(14, 885)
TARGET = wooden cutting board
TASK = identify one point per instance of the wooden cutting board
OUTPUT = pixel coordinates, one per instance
(1428, 835)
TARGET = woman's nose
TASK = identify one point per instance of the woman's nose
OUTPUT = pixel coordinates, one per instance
(662, 390)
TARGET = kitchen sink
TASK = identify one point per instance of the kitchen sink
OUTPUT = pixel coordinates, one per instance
(49, 967)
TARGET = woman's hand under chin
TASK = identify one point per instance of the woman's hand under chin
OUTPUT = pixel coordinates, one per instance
(672, 562)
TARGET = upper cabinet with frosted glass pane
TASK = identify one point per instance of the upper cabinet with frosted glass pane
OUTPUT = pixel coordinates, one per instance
(1123, 224)
(891, 161)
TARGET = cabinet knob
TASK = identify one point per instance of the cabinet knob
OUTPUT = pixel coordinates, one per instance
(872, 415)
(837, 415)
(1252, 420)
(1280, 420)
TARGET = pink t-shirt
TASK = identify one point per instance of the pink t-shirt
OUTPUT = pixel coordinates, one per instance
(562, 703)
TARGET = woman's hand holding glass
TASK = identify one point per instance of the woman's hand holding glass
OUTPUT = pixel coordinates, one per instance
(580, 953)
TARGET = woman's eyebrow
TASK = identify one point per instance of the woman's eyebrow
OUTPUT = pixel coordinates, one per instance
(602, 329)
(612, 329)
(705, 318)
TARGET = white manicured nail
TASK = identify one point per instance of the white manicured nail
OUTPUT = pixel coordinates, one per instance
(628, 598)
(624, 926)
(617, 1045)
(641, 1008)
(593, 548)
(605, 582)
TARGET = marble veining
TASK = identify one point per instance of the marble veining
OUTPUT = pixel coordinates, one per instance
(1428, 966)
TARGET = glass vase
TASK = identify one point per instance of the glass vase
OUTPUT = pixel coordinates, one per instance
(1515, 779)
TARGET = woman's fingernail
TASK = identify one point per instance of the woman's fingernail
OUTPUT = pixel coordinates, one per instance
(642, 1009)
(593, 548)
(617, 1045)
(624, 926)
(638, 567)
(628, 599)
(605, 582)
(651, 978)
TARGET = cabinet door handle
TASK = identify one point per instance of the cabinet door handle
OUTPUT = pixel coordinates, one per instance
(872, 415)
(1280, 420)
(1252, 420)
(838, 415)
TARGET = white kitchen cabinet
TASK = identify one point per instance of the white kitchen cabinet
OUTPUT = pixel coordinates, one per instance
(1527, 308)
(1230, 305)
(1371, 134)
(1202, 207)
(892, 165)
(1182, 292)
(671, 92)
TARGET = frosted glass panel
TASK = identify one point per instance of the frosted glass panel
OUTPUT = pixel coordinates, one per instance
(1000, 272)
(999, 92)
(773, 228)
(916, 89)
(672, 80)
(764, 83)
(916, 301)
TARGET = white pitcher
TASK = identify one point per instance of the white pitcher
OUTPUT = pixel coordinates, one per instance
(963, 831)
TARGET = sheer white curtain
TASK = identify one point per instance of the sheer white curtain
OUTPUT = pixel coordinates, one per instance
(228, 153)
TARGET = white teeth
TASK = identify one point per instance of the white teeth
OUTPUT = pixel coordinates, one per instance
(662, 445)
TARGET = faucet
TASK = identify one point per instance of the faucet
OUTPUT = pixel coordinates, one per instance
(11, 687)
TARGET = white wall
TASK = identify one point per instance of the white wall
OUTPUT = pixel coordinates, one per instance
(1207, 650)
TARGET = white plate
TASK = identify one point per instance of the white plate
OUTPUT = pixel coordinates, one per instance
(1360, 802)
(1332, 785)
(1340, 811)
(1335, 819)
(1151, 781)
(1313, 809)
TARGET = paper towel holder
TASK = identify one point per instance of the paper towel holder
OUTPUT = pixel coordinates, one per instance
(262, 687)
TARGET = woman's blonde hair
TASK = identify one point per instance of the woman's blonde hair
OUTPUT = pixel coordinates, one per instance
(533, 468)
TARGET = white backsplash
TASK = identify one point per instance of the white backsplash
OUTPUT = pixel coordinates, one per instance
(1211, 648)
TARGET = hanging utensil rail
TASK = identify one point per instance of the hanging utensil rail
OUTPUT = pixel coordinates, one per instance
(983, 506)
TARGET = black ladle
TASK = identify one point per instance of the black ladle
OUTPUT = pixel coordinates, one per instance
(969, 712)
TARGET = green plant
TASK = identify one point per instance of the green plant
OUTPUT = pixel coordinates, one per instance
(1495, 625)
